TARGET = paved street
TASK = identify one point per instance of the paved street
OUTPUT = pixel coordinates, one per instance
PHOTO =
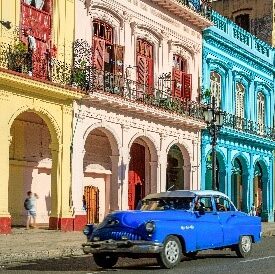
(261, 261)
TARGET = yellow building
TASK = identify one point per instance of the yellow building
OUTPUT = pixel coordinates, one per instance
(255, 16)
(36, 110)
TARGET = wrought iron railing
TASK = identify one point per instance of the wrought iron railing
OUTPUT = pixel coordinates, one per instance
(245, 125)
(87, 78)
(203, 8)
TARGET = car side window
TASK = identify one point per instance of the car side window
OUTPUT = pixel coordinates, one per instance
(206, 203)
(223, 204)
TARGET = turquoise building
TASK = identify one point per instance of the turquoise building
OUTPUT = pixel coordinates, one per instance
(238, 69)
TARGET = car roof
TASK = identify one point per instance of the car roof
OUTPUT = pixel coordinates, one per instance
(185, 193)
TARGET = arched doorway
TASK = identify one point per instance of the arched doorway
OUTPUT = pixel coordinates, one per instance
(260, 188)
(30, 164)
(142, 171)
(175, 169)
(178, 168)
(239, 179)
(220, 172)
(100, 146)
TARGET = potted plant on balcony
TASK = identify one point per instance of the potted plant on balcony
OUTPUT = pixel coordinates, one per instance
(79, 75)
(17, 57)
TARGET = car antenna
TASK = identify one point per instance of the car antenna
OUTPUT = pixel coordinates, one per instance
(171, 187)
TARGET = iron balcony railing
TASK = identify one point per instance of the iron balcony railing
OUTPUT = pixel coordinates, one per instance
(248, 126)
(202, 7)
(87, 78)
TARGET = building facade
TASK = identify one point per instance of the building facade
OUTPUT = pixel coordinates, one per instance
(255, 16)
(140, 125)
(238, 69)
(36, 111)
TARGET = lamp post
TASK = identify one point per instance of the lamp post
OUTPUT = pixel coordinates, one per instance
(214, 118)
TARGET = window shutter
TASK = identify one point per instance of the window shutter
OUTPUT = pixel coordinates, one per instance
(118, 59)
(142, 78)
(177, 83)
(187, 86)
(98, 53)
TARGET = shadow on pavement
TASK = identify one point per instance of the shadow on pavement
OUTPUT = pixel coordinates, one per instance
(86, 263)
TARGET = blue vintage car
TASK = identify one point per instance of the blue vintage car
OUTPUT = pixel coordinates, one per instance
(171, 224)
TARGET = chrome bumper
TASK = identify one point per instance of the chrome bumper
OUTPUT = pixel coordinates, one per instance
(112, 246)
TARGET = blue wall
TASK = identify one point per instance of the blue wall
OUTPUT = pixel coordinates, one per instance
(240, 57)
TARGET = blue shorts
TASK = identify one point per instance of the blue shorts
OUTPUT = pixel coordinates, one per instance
(32, 213)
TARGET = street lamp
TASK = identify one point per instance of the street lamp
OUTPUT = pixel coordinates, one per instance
(214, 118)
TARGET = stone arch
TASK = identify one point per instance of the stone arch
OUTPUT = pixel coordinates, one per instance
(107, 14)
(240, 181)
(179, 162)
(221, 170)
(150, 141)
(46, 116)
(142, 172)
(34, 163)
(110, 133)
(100, 168)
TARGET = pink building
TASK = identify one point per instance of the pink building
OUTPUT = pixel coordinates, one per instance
(138, 130)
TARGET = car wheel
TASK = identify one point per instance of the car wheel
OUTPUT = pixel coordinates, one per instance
(171, 253)
(244, 248)
(105, 260)
(191, 254)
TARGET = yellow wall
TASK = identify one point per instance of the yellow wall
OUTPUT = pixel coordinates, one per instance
(63, 24)
(54, 105)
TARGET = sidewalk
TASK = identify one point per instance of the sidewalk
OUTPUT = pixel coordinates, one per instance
(27, 245)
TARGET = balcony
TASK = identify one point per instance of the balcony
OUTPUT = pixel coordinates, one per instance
(247, 126)
(83, 77)
(239, 36)
(191, 11)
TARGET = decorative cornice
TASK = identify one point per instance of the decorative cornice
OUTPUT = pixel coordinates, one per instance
(238, 52)
(38, 87)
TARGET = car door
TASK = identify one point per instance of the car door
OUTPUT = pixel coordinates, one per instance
(228, 218)
(209, 233)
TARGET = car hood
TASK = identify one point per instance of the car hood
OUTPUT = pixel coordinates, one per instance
(134, 218)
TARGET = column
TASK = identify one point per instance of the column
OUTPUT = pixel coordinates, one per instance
(80, 215)
(203, 163)
(162, 171)
(246, 190)
(228, 183)
(115, 183)
(123, 169)
(154, 168)
(5, 218)
(250, 183)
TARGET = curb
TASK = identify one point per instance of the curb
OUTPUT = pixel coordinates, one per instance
(269, 233)
(40, 255)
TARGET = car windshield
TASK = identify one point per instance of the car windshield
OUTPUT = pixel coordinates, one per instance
(181, 203)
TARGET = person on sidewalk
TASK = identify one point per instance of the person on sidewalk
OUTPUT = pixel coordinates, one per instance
(30, 206)
(253, 210)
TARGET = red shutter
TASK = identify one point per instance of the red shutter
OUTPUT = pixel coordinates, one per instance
(98, 53)
(177, 83)
(187, 85)
(118, 58)
(142, 77)
(39, 21)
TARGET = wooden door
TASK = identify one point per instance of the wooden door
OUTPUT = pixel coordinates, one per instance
(91, 195)
(136, 177)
